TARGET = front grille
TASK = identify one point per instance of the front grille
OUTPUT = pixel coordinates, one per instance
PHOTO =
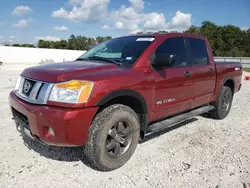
(38, 92)
(33, 91)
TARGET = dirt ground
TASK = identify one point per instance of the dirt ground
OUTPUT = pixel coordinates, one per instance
(199, 153)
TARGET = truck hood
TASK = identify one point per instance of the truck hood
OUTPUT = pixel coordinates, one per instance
(59, 72)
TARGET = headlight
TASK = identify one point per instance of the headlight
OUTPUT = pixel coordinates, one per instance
(74, 91)
(18, 82)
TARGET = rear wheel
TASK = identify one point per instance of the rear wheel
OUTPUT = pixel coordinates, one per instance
(223, 103)
(113, 137)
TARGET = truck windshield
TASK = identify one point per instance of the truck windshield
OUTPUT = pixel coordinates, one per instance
(120, 50)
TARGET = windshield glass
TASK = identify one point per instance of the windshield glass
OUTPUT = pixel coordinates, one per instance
(124, 49)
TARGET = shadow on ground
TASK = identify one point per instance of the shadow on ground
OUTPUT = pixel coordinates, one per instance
(68, 154)
(208, 116)
(76, 153)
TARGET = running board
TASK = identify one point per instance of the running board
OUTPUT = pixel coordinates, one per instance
(177, 119)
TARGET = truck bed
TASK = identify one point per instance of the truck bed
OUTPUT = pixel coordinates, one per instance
(227, 62)
(226, 70)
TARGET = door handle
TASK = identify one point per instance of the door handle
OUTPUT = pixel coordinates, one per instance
(211, 70)
(187, 74)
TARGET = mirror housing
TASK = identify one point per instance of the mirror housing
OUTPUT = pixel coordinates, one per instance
(163, 60)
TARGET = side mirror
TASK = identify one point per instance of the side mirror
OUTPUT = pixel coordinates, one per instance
(164, 60)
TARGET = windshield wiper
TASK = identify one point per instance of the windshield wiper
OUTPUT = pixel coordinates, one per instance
(81, 59)
(103, 59)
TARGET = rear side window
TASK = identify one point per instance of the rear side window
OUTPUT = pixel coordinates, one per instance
(198, 51)
(174, 46)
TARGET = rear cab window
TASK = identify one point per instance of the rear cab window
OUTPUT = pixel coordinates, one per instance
(197, 51)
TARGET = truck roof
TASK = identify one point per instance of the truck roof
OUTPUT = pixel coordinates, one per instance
(164, 34)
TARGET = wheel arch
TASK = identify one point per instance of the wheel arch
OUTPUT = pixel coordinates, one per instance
(229, 81)
(131, 98)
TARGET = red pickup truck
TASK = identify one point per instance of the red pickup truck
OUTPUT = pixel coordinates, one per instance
(114, 94)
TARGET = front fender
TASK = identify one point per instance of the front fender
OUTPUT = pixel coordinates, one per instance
(124, 92)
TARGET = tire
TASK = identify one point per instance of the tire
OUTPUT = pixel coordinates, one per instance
(222, 107)
(101, 132)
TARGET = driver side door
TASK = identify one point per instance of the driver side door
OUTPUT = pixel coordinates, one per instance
(173, 84)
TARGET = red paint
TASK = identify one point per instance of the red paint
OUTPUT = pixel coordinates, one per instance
(247, 78)
(70, 125)
(71, 122)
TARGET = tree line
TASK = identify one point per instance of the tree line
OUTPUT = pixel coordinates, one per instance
(227, 40)
(73, 43)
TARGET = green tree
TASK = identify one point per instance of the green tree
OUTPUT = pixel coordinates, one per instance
(100, 39)
(193, 30)
(44, 44)
(16, 45)
(78, 42)
(62, 44)
(24, 45)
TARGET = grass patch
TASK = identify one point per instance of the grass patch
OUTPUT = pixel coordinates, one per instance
(246, 69)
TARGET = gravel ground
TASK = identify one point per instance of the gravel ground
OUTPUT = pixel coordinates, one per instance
(199, 153)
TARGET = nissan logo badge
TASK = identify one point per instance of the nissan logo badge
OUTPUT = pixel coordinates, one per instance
(26, 87)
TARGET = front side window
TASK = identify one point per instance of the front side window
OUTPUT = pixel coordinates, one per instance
(173, 47)
(122, 50)
(198, 51)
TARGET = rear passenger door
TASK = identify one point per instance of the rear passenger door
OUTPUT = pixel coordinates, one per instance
(203, 71)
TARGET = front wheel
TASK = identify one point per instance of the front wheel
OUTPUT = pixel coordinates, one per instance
(223, 103)
(113, 137)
